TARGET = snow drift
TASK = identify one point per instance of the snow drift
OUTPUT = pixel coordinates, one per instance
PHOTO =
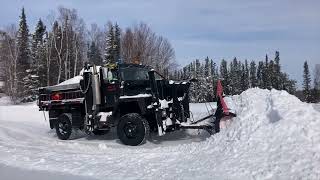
(275, 136)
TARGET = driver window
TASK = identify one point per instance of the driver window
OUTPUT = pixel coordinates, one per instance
(108, 74)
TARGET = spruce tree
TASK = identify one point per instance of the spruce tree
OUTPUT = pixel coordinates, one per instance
(39, 64)
(206, 67)
(94, 54)
(247, 75)
(272, 74)
(197, 68)
(316, 82)
(288, 84)
(56, 35)
(116, 46)
(306, 83)
(260, 75)
(243, 78)
(265, 74)
(224, 74)
(277, 72)
(235, 74)
(253, 75)
(23, 56)
(109, 50)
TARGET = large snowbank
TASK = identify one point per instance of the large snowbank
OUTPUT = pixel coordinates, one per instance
(275, 136)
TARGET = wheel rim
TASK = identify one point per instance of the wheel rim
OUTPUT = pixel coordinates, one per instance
(130, 130)
(63, 127)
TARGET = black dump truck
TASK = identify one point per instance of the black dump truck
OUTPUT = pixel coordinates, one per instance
(133, 98)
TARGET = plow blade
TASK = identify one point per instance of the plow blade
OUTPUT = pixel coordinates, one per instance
(221, 113)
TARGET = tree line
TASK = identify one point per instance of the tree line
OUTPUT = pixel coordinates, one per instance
(59, 47)
(236, 76)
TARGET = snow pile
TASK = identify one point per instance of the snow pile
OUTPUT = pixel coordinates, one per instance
(74, 80)
(275, 136)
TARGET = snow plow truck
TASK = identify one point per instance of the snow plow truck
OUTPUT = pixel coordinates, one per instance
(134, 99)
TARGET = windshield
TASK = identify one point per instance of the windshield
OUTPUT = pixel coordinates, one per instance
(134, 73)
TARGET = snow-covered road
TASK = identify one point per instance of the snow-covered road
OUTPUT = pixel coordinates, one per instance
(317, 106)
(274, 136)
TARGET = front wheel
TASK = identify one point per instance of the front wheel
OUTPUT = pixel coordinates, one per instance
(132, 129)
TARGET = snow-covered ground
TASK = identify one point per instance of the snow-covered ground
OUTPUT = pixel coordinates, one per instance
(275, 136)
(317, 106)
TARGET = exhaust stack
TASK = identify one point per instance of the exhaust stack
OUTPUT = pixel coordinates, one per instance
(96, 93)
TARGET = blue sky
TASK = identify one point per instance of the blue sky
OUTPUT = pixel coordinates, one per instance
(247, 29)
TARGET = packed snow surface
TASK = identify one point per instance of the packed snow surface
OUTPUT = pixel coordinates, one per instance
(317, 106)
(274, 136)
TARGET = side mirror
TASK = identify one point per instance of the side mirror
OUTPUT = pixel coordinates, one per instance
(87, 65)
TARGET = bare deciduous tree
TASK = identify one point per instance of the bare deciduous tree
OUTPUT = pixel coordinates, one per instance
(140, 45)
(8, 58)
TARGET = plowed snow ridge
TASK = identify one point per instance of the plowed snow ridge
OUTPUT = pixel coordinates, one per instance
(275, 136)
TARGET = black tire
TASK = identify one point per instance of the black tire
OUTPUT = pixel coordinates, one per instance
(100, 132)
(217, 125)
(63, 126)
(132, 129)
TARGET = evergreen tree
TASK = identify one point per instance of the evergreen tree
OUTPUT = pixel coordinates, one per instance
(235, 74)
(116, 47)
(109, 50)
(288, 84)
(197, 69)
(94, 54)
(265, 74)
(306, 83)
(38, 64)
(30, 85)
(243, 78)
(260, 75)
(206, 67)
(23, 56)
(272, 75)
(184, 73)
(277, 72)
(246, 75)
(253, 75)
(56, 36)
(224, 74)
(316, 83)
(213, 72)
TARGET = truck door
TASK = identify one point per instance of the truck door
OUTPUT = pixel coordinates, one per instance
(110, 86)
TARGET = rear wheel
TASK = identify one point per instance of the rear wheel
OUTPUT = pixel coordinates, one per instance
(63, 126)
(132, 129)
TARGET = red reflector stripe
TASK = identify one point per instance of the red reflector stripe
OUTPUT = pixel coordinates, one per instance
(56, 96)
